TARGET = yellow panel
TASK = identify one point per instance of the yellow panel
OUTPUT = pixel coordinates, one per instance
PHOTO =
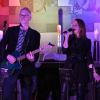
(27, 3)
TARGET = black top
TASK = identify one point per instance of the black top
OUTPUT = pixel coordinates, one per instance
(79, 47)
(79, 57)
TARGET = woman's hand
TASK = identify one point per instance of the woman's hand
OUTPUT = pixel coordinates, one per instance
(65, 44)
(30, 56)
(95, 75)
(11, 59)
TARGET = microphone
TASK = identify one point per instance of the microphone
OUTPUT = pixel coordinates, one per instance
(4, 23)
(69, 30)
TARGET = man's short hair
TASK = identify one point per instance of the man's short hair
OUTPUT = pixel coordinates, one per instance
(27, 9)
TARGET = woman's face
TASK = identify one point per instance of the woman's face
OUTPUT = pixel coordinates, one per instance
(76, 27)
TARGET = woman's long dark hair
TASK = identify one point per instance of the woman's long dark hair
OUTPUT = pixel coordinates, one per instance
(82, 28)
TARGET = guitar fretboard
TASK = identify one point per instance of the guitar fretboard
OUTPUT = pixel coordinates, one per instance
(24, 56)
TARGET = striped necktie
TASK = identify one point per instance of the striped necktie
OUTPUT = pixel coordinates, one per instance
(21, 38)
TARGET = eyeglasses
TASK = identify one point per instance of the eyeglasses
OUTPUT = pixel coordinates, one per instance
(24, 15)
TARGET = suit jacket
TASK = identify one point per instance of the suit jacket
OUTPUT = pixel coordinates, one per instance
(31, 42)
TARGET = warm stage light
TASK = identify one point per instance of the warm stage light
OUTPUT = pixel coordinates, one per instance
(58, 29)
(59, 35)
(1, 35)
(96, 34)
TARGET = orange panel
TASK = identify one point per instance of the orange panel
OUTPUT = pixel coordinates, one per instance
(13, 19)
(12, 10)
(14, 2)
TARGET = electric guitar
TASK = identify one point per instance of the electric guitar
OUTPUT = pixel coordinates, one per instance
(5, 66)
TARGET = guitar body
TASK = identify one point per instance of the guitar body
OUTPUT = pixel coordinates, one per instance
(9, 69)
(5, 66)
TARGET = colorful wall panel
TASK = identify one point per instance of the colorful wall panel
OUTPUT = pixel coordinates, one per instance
(44, 13)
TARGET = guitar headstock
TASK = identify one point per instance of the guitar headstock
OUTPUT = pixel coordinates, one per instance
(46, 48)
(50, 44)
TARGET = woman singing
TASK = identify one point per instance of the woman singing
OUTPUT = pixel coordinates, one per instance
(78, 49)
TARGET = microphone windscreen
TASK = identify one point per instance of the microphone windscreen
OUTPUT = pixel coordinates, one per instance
(70, 30)
(65, 31)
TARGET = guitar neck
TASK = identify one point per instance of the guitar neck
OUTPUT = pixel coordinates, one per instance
(24, 56)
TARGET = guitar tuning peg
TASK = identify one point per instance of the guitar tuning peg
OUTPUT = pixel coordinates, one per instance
(51, 44)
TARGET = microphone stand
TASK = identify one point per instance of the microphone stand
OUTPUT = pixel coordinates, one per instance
(92, 83)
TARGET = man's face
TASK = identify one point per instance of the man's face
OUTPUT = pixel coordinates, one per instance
(25, 17)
